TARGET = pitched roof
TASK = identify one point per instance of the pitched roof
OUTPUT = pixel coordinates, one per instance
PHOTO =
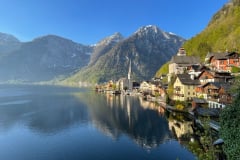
(217, 85)
(185, 59)
(223, 55)
(186, 79)
(226, 87)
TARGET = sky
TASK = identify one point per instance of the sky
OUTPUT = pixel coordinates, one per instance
(89, 21)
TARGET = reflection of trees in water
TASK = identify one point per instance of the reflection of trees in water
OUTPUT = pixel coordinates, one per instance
(123, 114)
(198, 141)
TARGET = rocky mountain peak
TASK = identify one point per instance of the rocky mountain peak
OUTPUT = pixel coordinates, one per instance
(148, 48)
(149, 29)
(115, 38)
(154, 32)
(104, 46)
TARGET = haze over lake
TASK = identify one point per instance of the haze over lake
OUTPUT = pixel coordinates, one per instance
(48, 123)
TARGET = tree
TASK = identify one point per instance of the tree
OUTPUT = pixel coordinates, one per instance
(229, 123)
(170, 86)
(230, 129)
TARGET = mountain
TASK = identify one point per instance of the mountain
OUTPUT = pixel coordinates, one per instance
(8, 43)
(221, 34)
(104, 46)
(43, 59)
(148, 48)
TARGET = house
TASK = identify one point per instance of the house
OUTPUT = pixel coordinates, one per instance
(184, 87)
(208, 90)
(180, 62)
(145, 87)
(206, 76)
(216, 93)
(199, 102)
(158, 89)
(224, 77)
(214, 76)
(195, 70)
(225, 96)
(122, 84)
(223, 61)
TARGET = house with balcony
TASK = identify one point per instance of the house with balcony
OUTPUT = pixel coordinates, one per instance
(216, 93)
(215, 76)
(206, 76)
(184, 87)
(223, 61)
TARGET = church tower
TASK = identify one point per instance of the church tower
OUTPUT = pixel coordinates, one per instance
(181, 52)
(129, 76)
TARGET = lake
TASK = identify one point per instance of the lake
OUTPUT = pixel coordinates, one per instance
(60, 123)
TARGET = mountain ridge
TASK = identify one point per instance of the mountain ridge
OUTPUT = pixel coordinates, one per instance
(147, 48)
(51, 57)
(43, 59)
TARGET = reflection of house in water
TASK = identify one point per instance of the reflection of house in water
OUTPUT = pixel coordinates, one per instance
(109, 99)
(146, 104)
(127, 117)
(180, 128)
(151, 105)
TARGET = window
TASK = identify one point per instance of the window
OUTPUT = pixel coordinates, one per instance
(188, 93)
(193, 93)
(235, 60)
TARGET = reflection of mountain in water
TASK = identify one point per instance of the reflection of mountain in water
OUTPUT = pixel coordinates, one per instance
(50, 110)
(46, 110)
(115, 115)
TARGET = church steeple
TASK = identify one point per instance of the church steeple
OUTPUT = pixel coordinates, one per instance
(129, 76)
(129, 70)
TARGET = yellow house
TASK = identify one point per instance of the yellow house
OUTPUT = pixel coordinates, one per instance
(184, 87)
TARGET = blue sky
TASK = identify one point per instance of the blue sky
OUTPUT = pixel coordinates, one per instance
(88, 21)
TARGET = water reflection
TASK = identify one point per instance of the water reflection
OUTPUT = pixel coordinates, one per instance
(69, 123)
(181, 127)
(49, 111)
(116, 115)
(45, 112)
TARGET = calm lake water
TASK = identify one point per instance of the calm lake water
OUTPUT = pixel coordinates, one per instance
(56, 123)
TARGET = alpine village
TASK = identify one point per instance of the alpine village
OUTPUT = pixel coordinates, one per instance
(198, 78)
(203, 85)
